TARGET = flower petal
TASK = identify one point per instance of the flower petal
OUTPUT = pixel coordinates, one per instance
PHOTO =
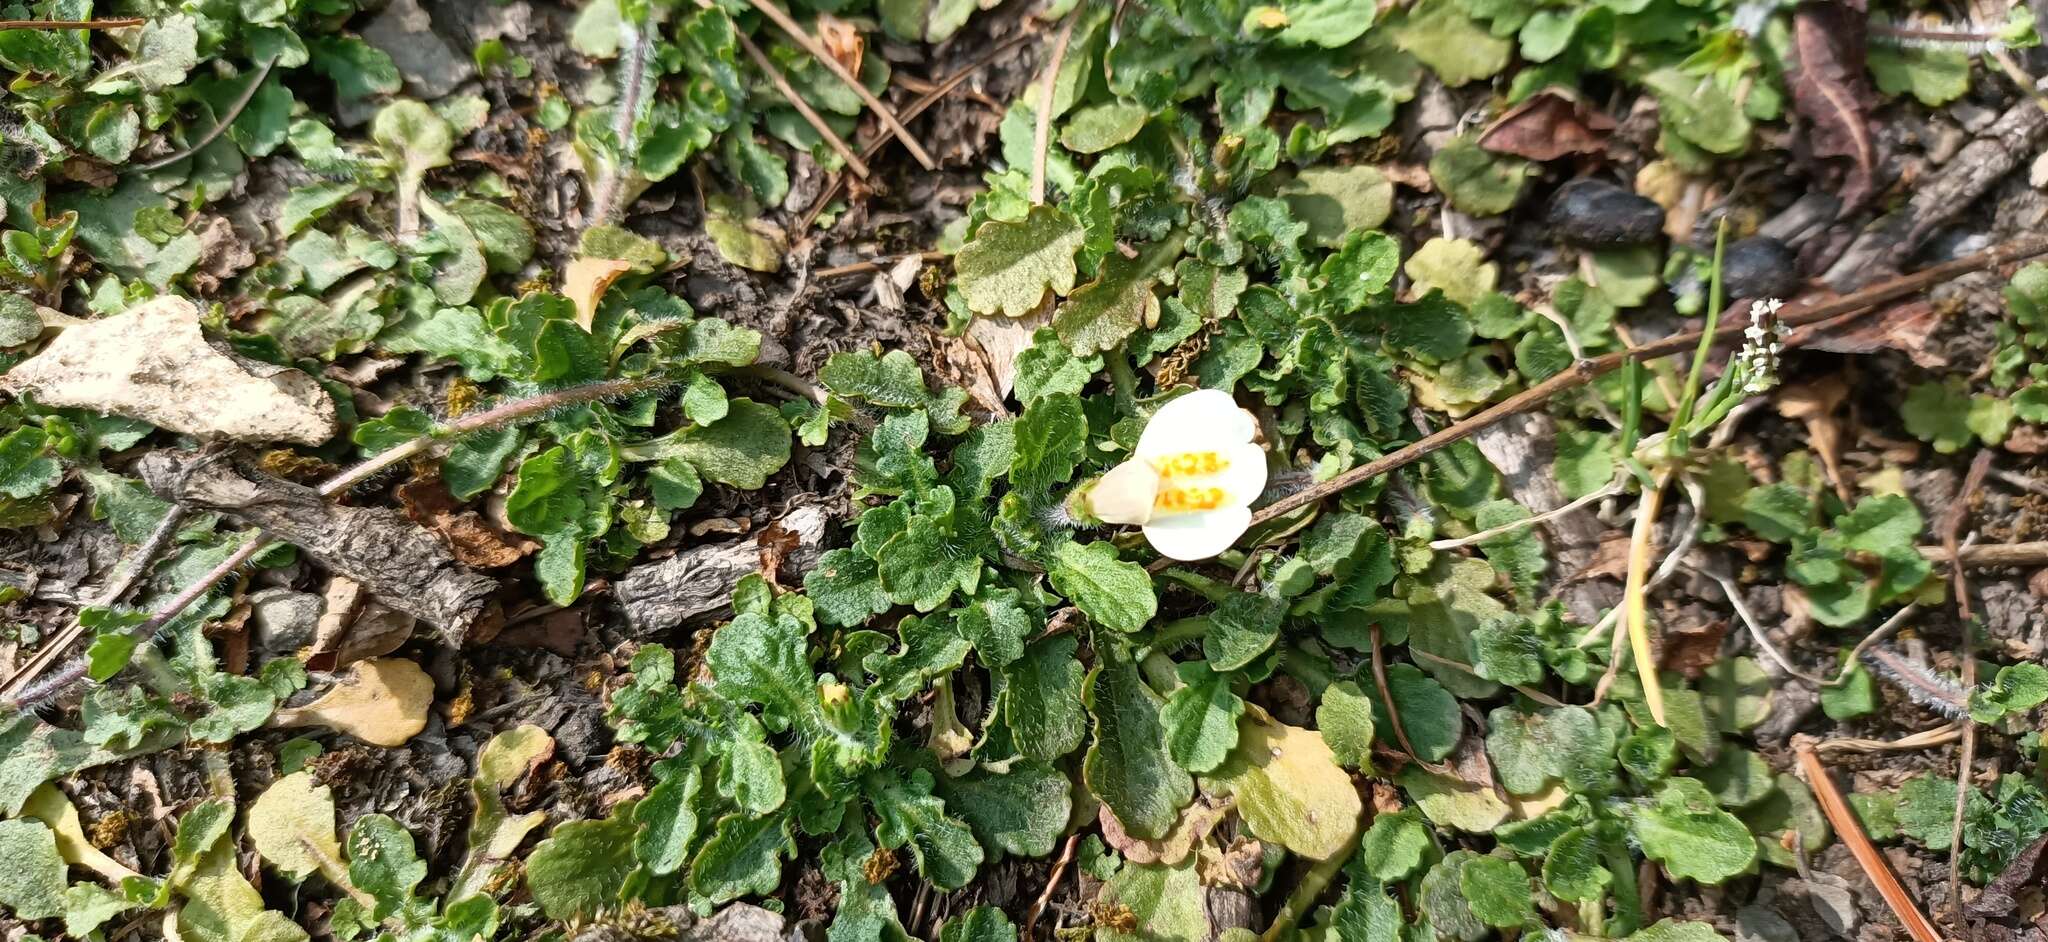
(1124, 494)
(1201, 420)
(1195, 536)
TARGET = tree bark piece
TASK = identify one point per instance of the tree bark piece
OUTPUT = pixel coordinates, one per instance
(405, 566)
(697, 583)
(1885, 245)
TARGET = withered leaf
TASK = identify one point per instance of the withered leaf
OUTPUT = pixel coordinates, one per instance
(1550, 124)
(1831, 92)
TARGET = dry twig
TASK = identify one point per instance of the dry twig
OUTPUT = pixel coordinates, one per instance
(810, 115)
(116, 22)
(1951, 533)
(1873, 863)
(796, 32)
(220, 127)
(1805, 315)
(1042, 136)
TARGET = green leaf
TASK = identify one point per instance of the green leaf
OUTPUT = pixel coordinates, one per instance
(1201, 718)
(1702, 113)
(1456, 267)
(1127, 764)
(1338, 202)
(1498, 892)
(944, 848)
(1097, 128)
(1395, 846)
(383, 863)
(1346, 720)
(980, 924)
(1777, 512)
(892, 380)
(1048, 367)
(1042, 698)
(1946, 415)
(2018, 688)
(762, 658)
(358, 69)
(1441, 897)
(1429, 714)
(1691, 836)
(743, 857)
(1477, 181)
(1572, 869)
(846, 587)
(1926, 809)
(1051, 439)
(1673, 930)
(1242, 627)
(1290, 789)
(26, 468)
(740, 450)
(1114, 593)
(1531, 750)
(1457, 49)
(413, 138)
(577, 873)
(1103, 313)
(923, 565)
(31, 870)
(1934, 76)
(1167, 902)
(1008, 266)
(1022, 811)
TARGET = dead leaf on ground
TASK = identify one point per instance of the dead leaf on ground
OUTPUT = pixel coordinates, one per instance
(842, 40)
(471, 538)
(383, 702)
(53, 808)
(1692, 648)
(1831, 91)
(1906, 328)
(291, 825)
(153, 363)
(1002, 338)
(1814, 404)
(2001, 896)
(586, 280)
(1550, 124)
(1192, 828)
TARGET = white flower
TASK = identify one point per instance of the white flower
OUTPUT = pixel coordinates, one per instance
(1192, 479)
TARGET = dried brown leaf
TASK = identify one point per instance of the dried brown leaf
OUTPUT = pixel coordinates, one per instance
(383, 702)
(1550, 124)
(1831, 92)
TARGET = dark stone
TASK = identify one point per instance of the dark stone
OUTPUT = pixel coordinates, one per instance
(1596, 213)
(1759, 267)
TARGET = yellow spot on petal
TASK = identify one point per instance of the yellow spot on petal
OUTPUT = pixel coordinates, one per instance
(1190, 464)
(1188, 499)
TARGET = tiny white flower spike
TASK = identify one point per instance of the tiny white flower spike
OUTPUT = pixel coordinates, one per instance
(1192, 479)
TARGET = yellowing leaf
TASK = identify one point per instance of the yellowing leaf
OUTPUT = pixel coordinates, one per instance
(292, 826)
(586, 280)
(510, 755)
(1007, 267)
(383, 703)
(50, 806)
(1290, 789)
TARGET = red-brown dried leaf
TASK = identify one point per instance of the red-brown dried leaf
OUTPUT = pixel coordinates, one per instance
(1831, 92)
(1907, 328)
(1550, 124)
(473, 540)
